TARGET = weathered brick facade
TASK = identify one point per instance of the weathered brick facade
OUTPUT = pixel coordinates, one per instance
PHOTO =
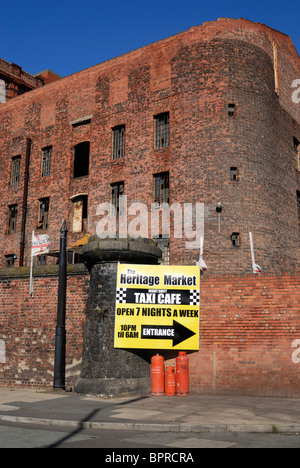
(234, 133)
(249, 327)
(27, 326)
(15, 81)
(193, 76)
(249, 332)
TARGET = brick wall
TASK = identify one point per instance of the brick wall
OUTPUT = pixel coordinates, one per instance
(27, 326)
(248, 326)
(247, 329)
(193, 76)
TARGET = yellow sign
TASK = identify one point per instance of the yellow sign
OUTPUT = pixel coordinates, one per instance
(157, 307)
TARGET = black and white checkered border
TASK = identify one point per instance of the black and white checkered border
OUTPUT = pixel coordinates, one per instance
(121, 295)
(194, 298)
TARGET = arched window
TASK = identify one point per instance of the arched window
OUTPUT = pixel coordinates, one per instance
(81, 159)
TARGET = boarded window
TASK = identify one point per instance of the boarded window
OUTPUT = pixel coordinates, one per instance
(81, 159)
(80, 213)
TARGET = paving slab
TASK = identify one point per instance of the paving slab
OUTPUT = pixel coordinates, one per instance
(178, 414)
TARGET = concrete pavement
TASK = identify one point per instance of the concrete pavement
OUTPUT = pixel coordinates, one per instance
(195, 413)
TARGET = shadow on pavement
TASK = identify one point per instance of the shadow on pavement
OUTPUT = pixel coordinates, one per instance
(88, 418)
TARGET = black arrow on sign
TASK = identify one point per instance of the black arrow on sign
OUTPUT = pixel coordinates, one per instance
(178, 332)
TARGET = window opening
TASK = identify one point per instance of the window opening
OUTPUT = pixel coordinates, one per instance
(233, 173)
(43, 221)
(10, 260)
(15, 170)
(231, 110)
(162, 130)
(41, 260)
(12, 218)
(81, 159)
(163, 243)
(117, 192)
(80, 213)
(235, 239)
(46, 161)
(74, 258)
(118, 142)
(161, 188)
(298, 205)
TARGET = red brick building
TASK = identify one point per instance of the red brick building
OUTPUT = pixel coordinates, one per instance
(206, 116)
(14, 81)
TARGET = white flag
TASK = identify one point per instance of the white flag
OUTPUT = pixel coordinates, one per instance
(201, 263)
(256, 268)
(40, 245)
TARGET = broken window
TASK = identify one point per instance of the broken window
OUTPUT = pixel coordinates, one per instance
(12, 218)
(163, 244)
(41, 260)
(73, 257)
(233, 173)
(162, 130)
(161, 188)
(231, 110)
(118, 142)
(10, 260)
(15, 170)
(81, 159)
(46, 161)
(117, 192)
(235, 239)
(43, 221)
(80, 213)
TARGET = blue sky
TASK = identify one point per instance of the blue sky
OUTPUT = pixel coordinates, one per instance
(69, 35)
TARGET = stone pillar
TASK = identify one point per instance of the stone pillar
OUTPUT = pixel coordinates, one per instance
(106, 370)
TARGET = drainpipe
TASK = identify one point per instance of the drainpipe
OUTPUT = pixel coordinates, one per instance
(24, 206)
